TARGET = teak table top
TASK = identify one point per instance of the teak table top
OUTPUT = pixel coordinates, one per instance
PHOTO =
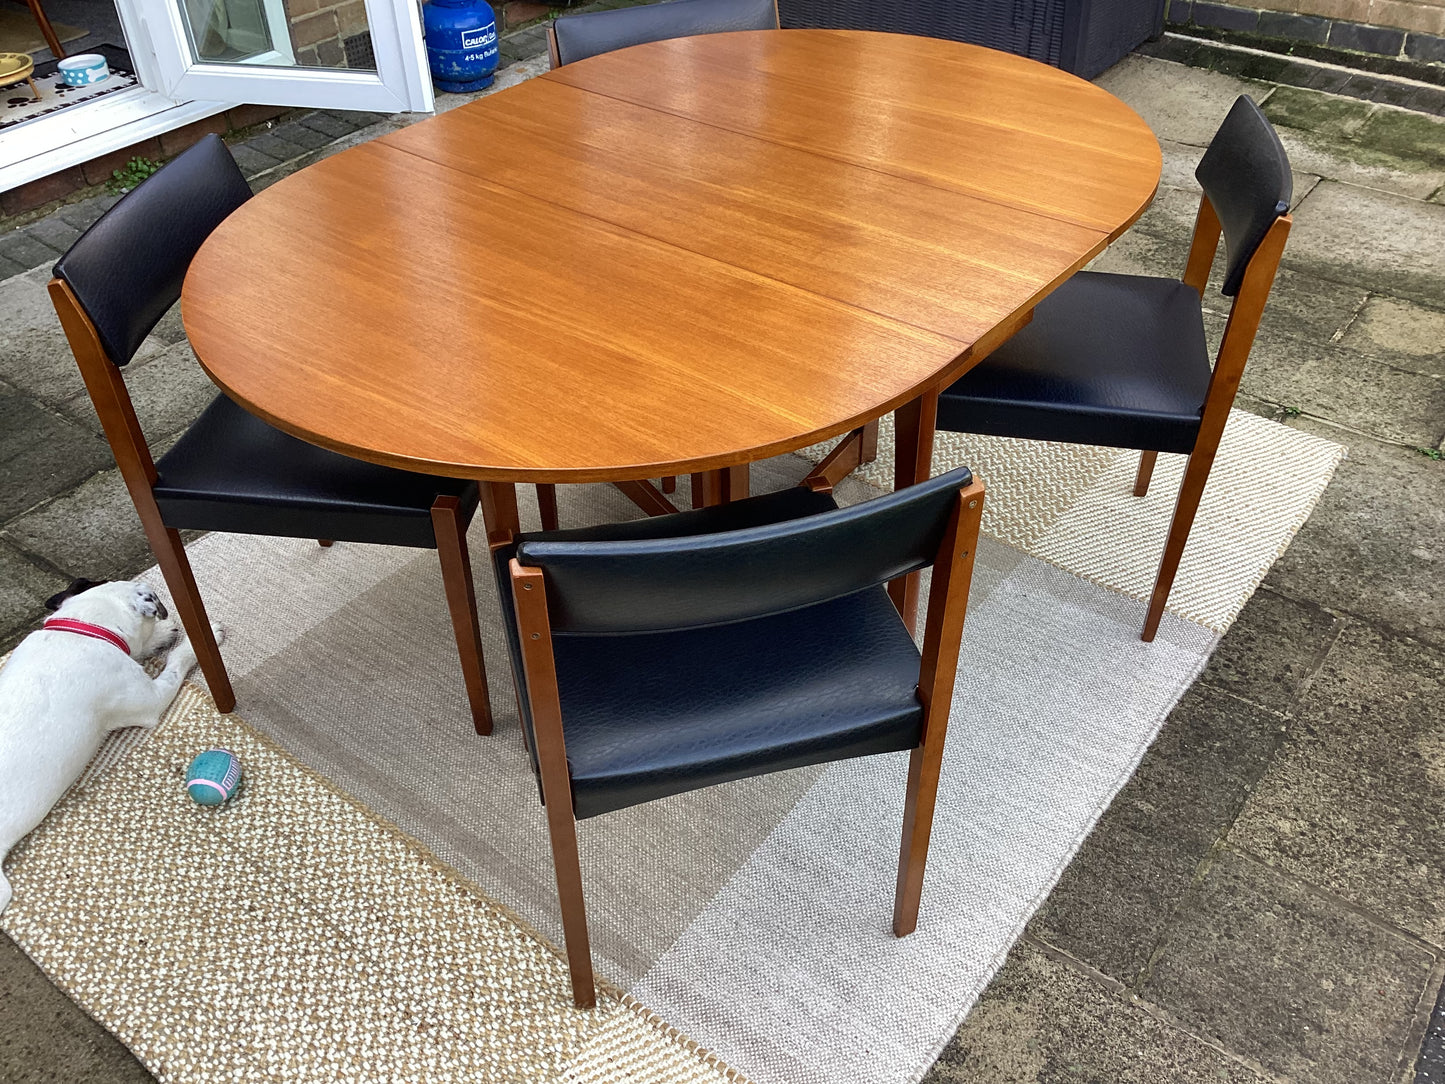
(673, 258)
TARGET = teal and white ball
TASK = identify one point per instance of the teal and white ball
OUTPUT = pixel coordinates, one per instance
(213, 776)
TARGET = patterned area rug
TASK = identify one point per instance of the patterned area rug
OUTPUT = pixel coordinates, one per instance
(751, 917)
(18, 105)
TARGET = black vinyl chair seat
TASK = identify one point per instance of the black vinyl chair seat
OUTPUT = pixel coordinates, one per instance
(233, 472)
(654, 714)
(1114, 360)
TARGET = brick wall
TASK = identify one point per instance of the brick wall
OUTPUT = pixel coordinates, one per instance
(1426, 16)
(1409, 31)
(320, 30)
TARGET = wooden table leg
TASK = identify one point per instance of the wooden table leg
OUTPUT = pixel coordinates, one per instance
(499, 513)
(721, 486)
(913, 425)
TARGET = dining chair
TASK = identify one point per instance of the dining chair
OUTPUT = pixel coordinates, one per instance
(668, 654)
(571, 38)
(1122, 361)
(231, 471)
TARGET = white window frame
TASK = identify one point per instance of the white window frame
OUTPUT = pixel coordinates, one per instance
(401, 82)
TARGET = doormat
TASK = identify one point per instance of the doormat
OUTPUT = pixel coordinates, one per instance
(18, 105)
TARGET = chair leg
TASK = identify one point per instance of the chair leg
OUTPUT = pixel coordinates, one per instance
(923, 773)
(326, 543)
(1196, 475)
(563, 830)
(547, 505)
(170, 554)
(1146, 471)
(669, 484)
(451, 539)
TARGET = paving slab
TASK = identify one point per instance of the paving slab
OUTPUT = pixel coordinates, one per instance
(169, 392)
(1303, 306)
(1360, 164)
(1042, 1022)
(41, 453)
(1375, 543)
(1332, 115)
(1272, 651)
(1268, 969)
(35, 356)
(20, 248)
(302, 135)
(83, 214)
(1353, 802)
(334, 125)
(24, 587)
(1139, 252)
(1181, 104)
(54, 232)
(1408, 335)
(1116, 898)
(1171, 217)
(1354, 389)
(91, 531)
(47, 1039)
(1377, 240)
(1406, 133)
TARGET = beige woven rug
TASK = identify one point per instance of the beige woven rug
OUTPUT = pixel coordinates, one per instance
(292, 936)
(751, 917)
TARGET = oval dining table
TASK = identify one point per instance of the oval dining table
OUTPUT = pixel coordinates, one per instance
(676, 258)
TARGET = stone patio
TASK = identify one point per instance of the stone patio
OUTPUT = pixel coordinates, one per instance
(1265, 900)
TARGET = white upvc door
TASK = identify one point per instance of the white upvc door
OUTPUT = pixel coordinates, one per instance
(353, 54)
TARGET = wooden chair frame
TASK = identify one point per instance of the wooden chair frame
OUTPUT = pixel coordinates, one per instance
(106, 385)
(947, 604)
(1234, 348)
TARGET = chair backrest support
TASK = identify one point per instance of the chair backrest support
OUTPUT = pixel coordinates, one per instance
(669, 584)
(576, 37)
(127, 269)
(1246, 178)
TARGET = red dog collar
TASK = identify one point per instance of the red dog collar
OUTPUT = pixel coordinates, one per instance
(85, 628)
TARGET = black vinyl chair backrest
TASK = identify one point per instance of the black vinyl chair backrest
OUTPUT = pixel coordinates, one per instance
(590, 33)
(127, 269)
(1245, 173)
(668, 584)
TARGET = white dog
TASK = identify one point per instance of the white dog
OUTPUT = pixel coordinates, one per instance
(70, 683)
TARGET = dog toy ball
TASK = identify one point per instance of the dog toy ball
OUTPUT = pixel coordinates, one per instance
(213, 776)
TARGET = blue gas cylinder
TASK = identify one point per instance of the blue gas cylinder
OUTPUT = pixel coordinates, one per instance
(461, 43)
